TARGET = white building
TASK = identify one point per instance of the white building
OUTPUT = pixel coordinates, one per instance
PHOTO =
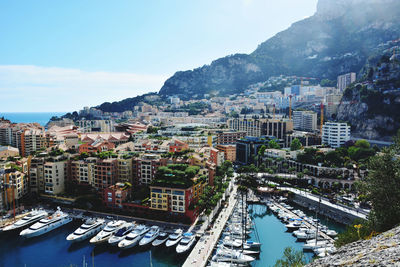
(305, 120)
(335, 134)
(345, 80)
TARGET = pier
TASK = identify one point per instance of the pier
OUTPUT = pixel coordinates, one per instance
(204, 247)
(325, 236)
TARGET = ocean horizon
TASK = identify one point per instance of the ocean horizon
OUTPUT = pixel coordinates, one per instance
(26, 117)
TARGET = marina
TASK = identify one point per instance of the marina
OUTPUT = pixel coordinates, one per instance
(226, 241)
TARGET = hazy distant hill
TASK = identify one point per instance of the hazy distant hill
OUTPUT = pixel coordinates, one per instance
(338, 38)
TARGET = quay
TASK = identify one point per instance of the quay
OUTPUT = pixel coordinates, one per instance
(325, 236)
(334, 211)
(206, 244)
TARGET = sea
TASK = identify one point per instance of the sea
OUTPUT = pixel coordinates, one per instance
(52, 249)
(40, 117)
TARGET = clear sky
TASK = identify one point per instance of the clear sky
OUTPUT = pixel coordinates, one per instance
(63, 55)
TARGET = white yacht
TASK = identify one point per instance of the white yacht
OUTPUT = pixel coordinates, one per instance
(293, 225)
(32, 217)
(252, 244)
(226, 255)
(186, 243)
(121, 234)
(162, 237)
(89, 228)
(106, 233)
(150, 236)
(312, 244)
(174, 238)
(133, 237)
(47, 224)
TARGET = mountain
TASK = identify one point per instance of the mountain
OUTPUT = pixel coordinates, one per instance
(372, 106)
(338, 38)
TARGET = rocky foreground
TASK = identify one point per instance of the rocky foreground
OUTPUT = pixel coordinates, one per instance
(382, 250)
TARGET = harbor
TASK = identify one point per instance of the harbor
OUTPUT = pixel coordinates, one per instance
(223, 241)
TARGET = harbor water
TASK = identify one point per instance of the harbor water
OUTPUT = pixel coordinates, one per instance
(52, 249)
(274, 237)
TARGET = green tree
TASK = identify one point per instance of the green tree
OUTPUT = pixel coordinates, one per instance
(291, 258)
(295, 145)
(382, 186)
(273, 144)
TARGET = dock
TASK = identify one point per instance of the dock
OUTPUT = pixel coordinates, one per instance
(325, 236)
(205, 246)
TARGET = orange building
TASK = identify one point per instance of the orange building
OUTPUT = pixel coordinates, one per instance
(177, 146)
(98, 146)
(229, 151)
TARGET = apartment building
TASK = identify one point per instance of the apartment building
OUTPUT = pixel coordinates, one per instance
(229, 151)
(125, 170)
(55, 173)
(82, 171)
(260, 127)
(36, 174)
(229, 138)
(105, 173)
(345, 80)
(305, 120)
(332, 102)
(15, 185)
(145, 167)
(335, 134)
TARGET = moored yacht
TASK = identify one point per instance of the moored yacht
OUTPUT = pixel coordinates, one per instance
(162, 237)
(121, 234)
(47, 224)
(107, 232)
(186, 243)
(150, 236)
(31, 217)
(226, 255)
(174, 238)
(132, 239)
(89, 228)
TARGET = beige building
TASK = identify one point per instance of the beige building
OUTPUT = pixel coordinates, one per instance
(331, 104)
(125, 173)
(8, 151)
(55, 174)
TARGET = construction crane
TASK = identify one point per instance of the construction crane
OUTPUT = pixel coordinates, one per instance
(322, 119)
(290, 107)
(274, 113)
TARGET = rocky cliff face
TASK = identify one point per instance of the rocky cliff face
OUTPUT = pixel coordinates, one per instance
(337, 39)
(382, 250)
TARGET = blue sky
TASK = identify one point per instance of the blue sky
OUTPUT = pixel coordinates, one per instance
(63, 55)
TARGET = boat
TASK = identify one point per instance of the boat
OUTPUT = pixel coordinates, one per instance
(329, 248)
(132, 239)
(121, 234)
(150, 236)
(232, 242)
(252, 244)
(89, 228)
(47, 224)
(174, 238)
(32, 217)
(293, 225)
(225, 255)
(311, 244)
(186, 243)
(162, 237)
(107, 232)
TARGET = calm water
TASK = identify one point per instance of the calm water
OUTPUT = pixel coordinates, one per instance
(273, 235)
(39, 117)
(52, 249)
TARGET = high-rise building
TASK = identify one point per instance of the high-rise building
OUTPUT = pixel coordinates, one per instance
(332, 102)
(335, 134)
(345, 80)
(260, 127)
(229, 138)
(305, 120)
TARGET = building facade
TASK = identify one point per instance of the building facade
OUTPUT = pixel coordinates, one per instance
(335, 134)
(262, 127)
(345, 80)
(305, 120)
